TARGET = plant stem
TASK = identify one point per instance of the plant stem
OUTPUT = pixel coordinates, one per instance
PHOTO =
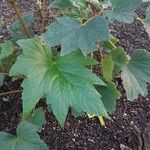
(101, 120)
(43, 14)
(5, 74)
(42, 6)
(11, 92)
(112, 44)
(20, 18)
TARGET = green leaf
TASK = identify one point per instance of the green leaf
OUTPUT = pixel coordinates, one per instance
(145, 0)
(76, 113)
(17, 29)
(136, 74)
(79, 4)
(6, 63)
(146, 21)
(122, 10)
(61, 4)
(107, 67)
(26, 139)
(7, 49)
(37, 118)
(145, 4)
(109, 95)
(120, 59)
(105, 4)
(7, 56)
(109, 45)
(64, 81)
(71, 34)
(1, 79)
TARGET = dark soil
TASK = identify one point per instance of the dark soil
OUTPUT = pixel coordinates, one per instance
(130, 124)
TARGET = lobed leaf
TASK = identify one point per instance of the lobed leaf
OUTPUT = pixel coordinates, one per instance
(26, 139)
(136, 74)
(122, 10)
(64, 81)
(71, 34)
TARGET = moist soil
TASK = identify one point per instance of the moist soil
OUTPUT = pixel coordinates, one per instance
(129, 128)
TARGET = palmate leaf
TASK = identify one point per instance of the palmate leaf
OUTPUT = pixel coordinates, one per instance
(26, 138)
(136, 74)
(71, 34)
(64, 81)
(146, 21)
(122, 10)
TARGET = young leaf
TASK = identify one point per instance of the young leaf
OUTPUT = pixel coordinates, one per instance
(6, 49)
(64, 81)
(107, 67)
(136, 74)
(109, 95)
(26, 139)
(61, 4)
(111, 44)
(37, 118)
(146, 21)
(120, 59)
(7, 62)
(71, 34)
(7, 57)
(122, 10)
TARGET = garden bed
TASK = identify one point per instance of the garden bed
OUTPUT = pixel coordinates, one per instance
(130, 124)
